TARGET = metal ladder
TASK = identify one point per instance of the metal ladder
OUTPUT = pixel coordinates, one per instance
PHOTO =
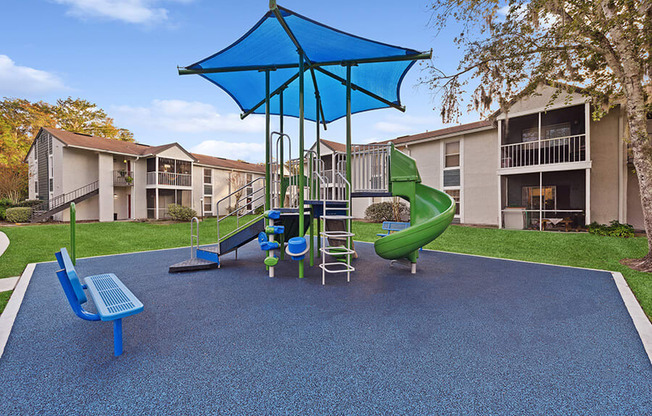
(339, 194)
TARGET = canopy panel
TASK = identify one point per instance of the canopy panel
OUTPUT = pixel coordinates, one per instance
(274, 43)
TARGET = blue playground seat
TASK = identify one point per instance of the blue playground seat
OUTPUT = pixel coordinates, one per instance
(111, 297)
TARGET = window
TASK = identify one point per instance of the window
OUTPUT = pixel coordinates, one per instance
(547, 132)
(51, 185)
(36, 187)
(533, 196)
(455, 194)
(208, 179)
(208, 204)
(452, 154)
(451, 179)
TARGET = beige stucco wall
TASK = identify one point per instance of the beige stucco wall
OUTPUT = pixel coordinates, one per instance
(541, 100)
(175, 152)
(32, 170)
(480, 184)
(105, 175)
(139, 191)
(634, 209)
(79, 168)
(604, 170)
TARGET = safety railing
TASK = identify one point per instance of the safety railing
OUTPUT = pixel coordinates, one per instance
(567, 149)
(123, 178)
(169, 179)
(249, 198)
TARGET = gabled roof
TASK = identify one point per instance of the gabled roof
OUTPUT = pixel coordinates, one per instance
(228, 163)
(334, 146)
(437, 134)
(85, 141)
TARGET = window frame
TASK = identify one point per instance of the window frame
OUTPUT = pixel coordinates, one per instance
(460, 168)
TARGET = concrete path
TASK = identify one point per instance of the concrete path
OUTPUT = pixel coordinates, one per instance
(9, 283)
(4, 242)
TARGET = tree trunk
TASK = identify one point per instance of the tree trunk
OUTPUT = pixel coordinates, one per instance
(642, 153)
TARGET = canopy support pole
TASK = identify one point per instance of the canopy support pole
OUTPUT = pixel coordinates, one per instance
(318, 194)
(281, 163)
(268, 157)
(301, 178)
(348, 163)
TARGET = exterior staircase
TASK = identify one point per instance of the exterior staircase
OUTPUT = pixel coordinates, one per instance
(48, 208)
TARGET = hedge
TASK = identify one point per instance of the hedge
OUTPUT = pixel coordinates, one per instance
(19, 214)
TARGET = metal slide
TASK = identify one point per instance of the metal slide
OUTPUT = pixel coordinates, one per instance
(431, 211)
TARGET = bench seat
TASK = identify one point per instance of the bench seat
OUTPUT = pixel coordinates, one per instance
(393, 226)
(111, 297)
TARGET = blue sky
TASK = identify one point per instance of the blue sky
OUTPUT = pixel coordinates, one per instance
(122, 55)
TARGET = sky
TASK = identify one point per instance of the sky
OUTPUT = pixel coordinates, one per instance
(123, 56)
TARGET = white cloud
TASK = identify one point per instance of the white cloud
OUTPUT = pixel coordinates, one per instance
(16, 79)
(130, 11)
(251, 152)
(187, 117)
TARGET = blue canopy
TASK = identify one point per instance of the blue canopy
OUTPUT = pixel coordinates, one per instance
(276, 43)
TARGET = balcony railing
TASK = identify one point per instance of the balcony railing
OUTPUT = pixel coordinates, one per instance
(544, 152)
(123, 178)
(168, 178)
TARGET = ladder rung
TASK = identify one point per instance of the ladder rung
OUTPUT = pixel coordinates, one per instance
(336, 234)
(337, 250)
(344, 267)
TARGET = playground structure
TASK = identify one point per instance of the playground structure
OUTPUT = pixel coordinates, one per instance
(270, 69)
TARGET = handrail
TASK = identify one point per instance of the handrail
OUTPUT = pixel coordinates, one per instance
(250, 201)
(566, 149)
(194, 238)
(63, 199)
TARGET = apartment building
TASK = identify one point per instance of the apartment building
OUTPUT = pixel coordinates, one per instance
(115, 180)
(540, 166)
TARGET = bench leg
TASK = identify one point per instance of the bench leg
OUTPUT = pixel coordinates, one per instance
(117, 337)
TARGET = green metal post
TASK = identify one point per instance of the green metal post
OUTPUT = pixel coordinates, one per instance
(268, 152)
(268, 158)
(73, 225)
(281, 165)
(301, 178)
(348, 152)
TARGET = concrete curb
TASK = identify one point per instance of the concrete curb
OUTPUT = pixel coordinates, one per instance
(11, 311)
(642, 324)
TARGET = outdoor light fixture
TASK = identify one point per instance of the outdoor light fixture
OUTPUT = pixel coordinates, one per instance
(115, 196)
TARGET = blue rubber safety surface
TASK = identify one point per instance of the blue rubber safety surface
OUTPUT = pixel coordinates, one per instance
(466, 335)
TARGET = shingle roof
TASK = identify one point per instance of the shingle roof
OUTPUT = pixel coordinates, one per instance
(136, 149)
(335, 146)
(228, 163)
(441, 132)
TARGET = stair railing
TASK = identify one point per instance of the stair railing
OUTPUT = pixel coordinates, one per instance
(66, 198)
(251, 204)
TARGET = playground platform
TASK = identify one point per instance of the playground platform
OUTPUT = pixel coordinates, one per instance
(465, 335)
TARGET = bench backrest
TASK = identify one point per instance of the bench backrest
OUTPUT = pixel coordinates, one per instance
(67, 267)
(395, 225)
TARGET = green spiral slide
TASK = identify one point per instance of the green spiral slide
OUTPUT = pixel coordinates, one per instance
(431, 211)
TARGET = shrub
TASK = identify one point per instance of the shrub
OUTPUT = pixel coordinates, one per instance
(614, 229)
(383, 211)
(28, 203)
(181, 213)
(19, 214)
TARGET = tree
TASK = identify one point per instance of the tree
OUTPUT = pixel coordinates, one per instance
(20, 121)
(603, 47)
(237, 183)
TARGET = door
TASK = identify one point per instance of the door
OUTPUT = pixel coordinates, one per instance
(129, 206)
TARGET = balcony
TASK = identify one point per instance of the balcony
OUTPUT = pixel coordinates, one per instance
(169, 179)
(123, 178)
(569, 149)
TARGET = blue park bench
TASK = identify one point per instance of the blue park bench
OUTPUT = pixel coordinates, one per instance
(392, 226)
(112, 299)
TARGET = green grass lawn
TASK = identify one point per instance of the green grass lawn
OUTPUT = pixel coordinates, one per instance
(38, 243)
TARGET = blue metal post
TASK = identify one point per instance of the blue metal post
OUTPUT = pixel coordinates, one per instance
(117, 337)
